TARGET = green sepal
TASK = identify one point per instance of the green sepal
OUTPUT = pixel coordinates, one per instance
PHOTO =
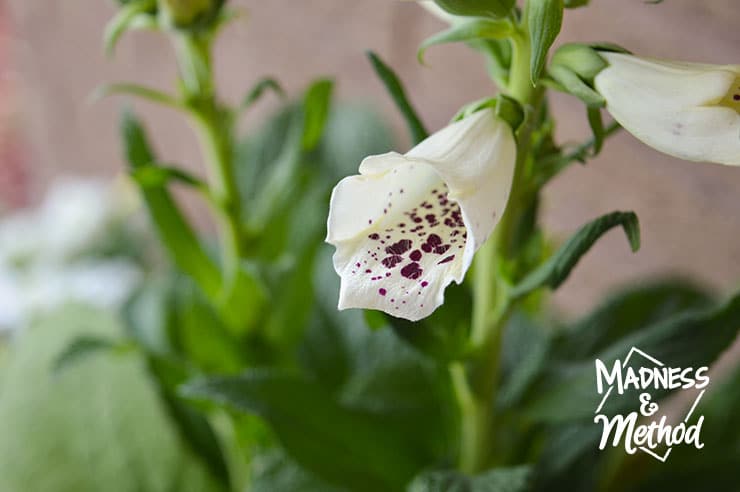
(581, 59)
(507, 108)
(467, 30)
(573, 84)
(477, 8)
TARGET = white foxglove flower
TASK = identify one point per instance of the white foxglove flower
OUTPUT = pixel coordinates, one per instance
(686, 110)
(408, 225)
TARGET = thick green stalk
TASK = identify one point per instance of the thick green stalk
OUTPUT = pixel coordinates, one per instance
(476, 389)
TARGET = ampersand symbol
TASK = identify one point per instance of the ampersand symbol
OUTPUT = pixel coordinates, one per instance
(647, 408)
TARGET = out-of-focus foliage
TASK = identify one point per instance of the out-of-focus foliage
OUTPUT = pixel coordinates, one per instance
(98, 425)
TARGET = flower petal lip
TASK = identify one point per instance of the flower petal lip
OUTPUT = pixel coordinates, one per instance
(408, 225)
(676, 108)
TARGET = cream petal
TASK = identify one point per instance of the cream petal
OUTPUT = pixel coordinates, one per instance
(673, 106)
(408, 225)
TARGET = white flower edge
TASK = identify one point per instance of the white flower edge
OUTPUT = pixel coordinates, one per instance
(408, 225)
(690, 111)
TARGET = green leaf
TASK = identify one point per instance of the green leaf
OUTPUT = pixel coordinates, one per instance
(395, 89)
(101, 421)
(123, 20)
(173, 230)
(316, 105)
(265, 84)
(556, 270)
(625, 313)
(159, 176)
(467, 30)
(152, 95)
(692, 338)
(574, 4)
(544, 20)
(344, 446)
(515, 479)
(477, 8)
(597, 128)
(275, 472)
(81, 347)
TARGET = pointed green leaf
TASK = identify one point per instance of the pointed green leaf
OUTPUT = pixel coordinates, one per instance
(468, 30)
(174, 231)
(123, 20)
(544, 20)
(395, 89)
(556, 270)
(597, 128)
(152, 95)
(265, 84)
(316, 104)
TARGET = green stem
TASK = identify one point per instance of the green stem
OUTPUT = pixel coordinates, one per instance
(476, 388)
(214, 127)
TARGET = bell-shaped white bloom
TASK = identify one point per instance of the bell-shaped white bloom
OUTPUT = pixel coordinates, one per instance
(408, 225)
(686, 110)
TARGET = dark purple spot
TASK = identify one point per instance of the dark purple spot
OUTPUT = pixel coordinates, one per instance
(400, 247)
(441, 249)
(434, 240)
(415, 255)
(424, 283)
(392, 261)
(412, 271)
(417, 219)
(430, 217)
(426, 247)
(374, 236)
(357, 265)
(368, 271)
(736, 97)
(446, 260)
(382, 291)
(387, 274)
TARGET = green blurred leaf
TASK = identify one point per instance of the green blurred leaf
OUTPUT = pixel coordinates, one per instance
(625, 313)
(137, 90)
(514, 479)
(256, 92)
(556, 270)
(395, 89)
(691, 338)
(477, 8)
(158, 176)
(97, 425)
(574, 4)
(345, 446)
(597, 128)
(544, 20)
(82, 347)
(275, 472)
(173, 229)
(468, 30)
(123, 20)
(316, 104)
